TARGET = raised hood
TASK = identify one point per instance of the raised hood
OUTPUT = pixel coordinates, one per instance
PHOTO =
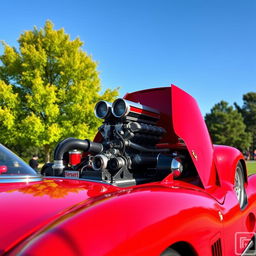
(181, 117)
(25, 208)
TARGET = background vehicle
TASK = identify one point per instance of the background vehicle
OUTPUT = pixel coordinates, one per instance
(151, 183)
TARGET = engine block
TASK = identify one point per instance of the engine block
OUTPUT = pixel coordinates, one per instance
(127, 153)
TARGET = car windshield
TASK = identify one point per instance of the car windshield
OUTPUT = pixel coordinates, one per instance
(12, 166)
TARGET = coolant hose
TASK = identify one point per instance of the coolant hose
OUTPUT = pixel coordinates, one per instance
(60, 145)
(72, 143)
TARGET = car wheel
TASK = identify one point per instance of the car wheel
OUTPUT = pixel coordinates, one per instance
(170, 252)
(239, 185)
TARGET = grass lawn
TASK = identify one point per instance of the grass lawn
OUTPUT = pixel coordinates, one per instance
(251, 167)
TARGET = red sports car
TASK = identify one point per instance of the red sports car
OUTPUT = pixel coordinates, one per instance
(151, 183)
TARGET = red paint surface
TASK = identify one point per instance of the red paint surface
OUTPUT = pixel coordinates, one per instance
(142, 220)
(75, 217)
(189, 125)
(28, 207)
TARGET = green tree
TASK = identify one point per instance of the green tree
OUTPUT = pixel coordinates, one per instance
(49, 87)
(226, 126)
(8, 113)
(248, 111)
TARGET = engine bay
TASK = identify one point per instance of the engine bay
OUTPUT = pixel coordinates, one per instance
(126, 150)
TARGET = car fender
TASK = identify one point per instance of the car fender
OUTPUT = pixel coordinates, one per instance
(226, 159)
(142, 221)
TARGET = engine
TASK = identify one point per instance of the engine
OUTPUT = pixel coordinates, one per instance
(127, 152)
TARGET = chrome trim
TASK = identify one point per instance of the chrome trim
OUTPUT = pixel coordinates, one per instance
(104, 162)
(140, 106)
(128, 104)
(17, 178)
(58, 164)
(109, 107)
(74, 152)
(175, 165)
(127, 108)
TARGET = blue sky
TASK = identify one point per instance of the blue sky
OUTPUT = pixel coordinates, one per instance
(206, 47)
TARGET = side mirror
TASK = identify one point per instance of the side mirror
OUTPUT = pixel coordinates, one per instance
(3, 169)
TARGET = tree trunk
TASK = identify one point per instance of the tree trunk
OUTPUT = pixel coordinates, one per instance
(47, 152)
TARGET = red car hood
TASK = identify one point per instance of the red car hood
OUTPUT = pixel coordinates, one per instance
(181, 117)
(25, 208)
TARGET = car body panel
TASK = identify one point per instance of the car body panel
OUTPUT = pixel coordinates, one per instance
(141, 215)
(59, 216)
(195, 134)
(226, 158)
(25, 208)
(237, 220)
(143, 220)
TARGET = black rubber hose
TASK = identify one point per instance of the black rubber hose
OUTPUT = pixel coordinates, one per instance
(71, 143)
(60, 144)
(143, 149)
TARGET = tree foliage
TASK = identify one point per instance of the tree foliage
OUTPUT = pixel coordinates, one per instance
(9, 103)
(248, 111)
(226, 126)
(48, 89)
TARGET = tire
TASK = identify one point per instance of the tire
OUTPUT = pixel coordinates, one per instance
(239, 189)
(170, 252)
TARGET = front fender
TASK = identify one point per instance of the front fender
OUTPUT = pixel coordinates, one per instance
(142, 221)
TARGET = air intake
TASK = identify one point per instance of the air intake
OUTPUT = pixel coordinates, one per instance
(216, 248)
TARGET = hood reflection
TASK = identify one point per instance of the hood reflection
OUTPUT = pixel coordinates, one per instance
(61, 188)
